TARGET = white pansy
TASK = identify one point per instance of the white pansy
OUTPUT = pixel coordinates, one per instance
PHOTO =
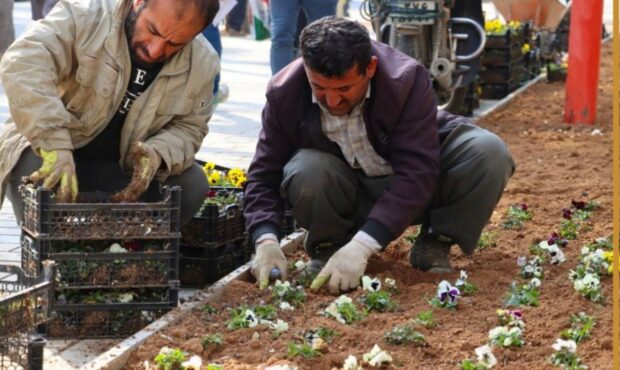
(370, 284)
(485, 356)
(250, 317)
(194, 363)
(507, 342)
(285, 306)
(390, 283)
(578, 285)
(376, 357)
(300, 265)
(561, 344)
(318, 343)
(350, 363)
(278, 327)
(534, 283)
(585, 250)
(332, 310)
(125, 297)
(116, 248)
(343, 299)
(543, 245)
(497, 332)
(558, 256)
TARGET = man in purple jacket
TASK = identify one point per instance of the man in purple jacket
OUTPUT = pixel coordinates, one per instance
(353, 141)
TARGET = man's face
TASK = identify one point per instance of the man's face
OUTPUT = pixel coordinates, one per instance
(339, 95)
(157, 30)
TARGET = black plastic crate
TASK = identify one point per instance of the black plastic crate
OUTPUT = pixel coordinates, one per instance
(215, 223)
(90, 264)
(510, 39)
(94, 299)
(200, 266)
(25, 304)
(502, 57)
(515, 73)
(109, 322)
(498, 91)
(46, 219)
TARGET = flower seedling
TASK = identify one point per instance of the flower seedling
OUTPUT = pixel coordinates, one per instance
(464, 286)
(580, 327)
(446, 296)
(487, 240)
(516, 216)
(553, 251)
(502, 336)
(343, 310)
(486, 359)
(587, 284)
(350, 363)
(425, 319)
(377, 357)
(510, 318)
(375, 298)
(524, 294)
(208, 309)
(243, 317)
(212, 340)
(284, 292)
(565, 355)
(391, 285)
(569, 228)
(326, 334)
(304, 350)
(169, 358)
(404, 334)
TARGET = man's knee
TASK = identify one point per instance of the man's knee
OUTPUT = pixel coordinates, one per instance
(493, 152)
(309, 167)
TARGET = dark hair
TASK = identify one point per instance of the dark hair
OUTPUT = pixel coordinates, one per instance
(207, 9)
(332, 45)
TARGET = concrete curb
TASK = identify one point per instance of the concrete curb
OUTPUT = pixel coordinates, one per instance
(116, 357)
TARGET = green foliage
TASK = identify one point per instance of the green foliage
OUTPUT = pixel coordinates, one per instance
(426, 319)
(171, 360)
(516, 216)
(468, 364)
(240, 318)
(212, 340)
(569, 229)
(467, 288)
(208, 309)
(349, 312)
(522, 295)
(567, 360)
(487, 240)
(411, 237)
(214, 367)
(581, 326)
(284, 292)
(378, 301)
(305, 278)
(304, 350)
(404, 335)
(266, 312)
(324, 333)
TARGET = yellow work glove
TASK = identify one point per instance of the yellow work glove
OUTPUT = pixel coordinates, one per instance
(58, 167)
(268, 256)
(346, 267)
(146, 162)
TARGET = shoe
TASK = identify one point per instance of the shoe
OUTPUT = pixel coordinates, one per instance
(221, 95)
(431, 253)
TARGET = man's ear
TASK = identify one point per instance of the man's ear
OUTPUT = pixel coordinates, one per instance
(137, 5)
(372, 67)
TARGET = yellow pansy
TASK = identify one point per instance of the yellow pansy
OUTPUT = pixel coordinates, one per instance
(209, 166)
(525, 48)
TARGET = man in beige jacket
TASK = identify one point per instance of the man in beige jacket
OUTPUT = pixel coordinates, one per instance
(99, 90)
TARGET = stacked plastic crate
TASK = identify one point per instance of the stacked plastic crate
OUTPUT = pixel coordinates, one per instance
(214, 242)
(507, 62)
(24, 305)
(117, 263)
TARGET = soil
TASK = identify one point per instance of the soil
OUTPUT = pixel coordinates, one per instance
(556, 163)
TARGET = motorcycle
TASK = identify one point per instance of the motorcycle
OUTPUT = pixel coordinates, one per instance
(447, 36)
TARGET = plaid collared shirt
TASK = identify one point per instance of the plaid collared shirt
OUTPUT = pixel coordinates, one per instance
(349, 132)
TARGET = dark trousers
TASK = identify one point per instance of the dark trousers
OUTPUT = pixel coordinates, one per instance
(332, 201)
(107, 177)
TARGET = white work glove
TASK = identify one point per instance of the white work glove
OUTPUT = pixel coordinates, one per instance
(268, 255)
(346, 267)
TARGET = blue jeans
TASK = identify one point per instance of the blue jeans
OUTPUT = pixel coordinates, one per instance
(212, 34)
(284, 15)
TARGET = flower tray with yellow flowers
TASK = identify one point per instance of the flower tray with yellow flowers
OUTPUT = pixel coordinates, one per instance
(220, 217)
(505, 35)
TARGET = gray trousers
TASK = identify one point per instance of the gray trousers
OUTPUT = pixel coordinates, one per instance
(107, 177)
(332, 201)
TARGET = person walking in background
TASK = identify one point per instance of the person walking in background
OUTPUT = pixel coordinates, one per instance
(236, 24)
(220, 91)
(284, 17)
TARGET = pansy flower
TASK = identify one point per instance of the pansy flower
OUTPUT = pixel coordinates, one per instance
(447, 293)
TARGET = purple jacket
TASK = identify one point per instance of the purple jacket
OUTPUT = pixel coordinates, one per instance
(403, 127)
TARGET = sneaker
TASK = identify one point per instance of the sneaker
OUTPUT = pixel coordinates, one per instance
(431, 253)
(221, 95)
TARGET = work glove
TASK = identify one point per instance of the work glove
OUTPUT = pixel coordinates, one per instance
(268, 256)
(345, 268)
(58, 167)
(146, 162)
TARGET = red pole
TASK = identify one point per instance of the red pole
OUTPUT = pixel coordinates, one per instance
(584, 54)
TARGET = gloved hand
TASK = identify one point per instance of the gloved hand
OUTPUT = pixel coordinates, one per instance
(146, 162)
(268, 255)
(345, 268)
(58, 166)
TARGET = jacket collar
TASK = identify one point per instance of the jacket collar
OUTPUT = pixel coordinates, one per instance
(116, 44)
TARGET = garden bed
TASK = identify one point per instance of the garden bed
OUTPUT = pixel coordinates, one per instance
(556, 164)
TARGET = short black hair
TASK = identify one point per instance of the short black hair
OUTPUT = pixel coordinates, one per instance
(332, 45)
(207, 9)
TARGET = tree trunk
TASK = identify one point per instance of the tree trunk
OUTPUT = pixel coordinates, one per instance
(7, 31)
